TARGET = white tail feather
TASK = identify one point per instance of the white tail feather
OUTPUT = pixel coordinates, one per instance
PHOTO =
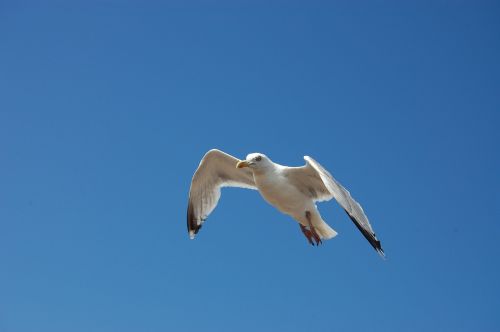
(325, 231)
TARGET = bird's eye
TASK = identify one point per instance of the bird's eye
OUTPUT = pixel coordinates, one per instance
(258, 158)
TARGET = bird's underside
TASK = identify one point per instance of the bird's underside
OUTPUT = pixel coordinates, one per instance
(292, 190)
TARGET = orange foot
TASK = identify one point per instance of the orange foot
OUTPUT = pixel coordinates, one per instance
(311, 235)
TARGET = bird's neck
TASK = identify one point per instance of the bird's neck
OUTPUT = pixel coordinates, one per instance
(266, 171)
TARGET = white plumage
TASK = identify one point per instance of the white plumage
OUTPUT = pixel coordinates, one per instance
(292, 190)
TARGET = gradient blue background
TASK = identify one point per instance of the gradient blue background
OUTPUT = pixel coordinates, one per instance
(106, 109)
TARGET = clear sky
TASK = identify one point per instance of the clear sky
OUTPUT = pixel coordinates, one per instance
(106, 109)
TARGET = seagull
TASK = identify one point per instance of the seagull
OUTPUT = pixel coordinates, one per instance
(292, 190)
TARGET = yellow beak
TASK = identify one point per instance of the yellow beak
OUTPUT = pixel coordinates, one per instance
(242, 163)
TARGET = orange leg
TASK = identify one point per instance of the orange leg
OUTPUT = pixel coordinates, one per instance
(310, 232)
(307, 234)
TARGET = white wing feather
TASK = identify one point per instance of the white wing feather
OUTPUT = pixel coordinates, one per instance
(217, 169)
(316, 182)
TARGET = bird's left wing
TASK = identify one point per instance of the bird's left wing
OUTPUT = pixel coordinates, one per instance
(317, 183)
(217, 169)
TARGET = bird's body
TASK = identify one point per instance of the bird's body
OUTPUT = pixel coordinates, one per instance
(274, 186)
(292, 190)
(278, 192)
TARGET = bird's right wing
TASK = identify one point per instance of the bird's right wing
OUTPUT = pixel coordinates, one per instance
(318, 184)
(351, 207)
(217, 169)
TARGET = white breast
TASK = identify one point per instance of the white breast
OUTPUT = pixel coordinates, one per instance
(277, 191)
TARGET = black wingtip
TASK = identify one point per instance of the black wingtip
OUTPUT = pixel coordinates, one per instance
(192, 225)
(369, 236)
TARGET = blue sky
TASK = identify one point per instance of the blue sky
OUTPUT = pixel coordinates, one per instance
(107, 107)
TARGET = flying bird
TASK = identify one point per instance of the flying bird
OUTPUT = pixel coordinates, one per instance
(292, 190)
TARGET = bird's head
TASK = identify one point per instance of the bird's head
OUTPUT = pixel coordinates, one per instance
(255, 161)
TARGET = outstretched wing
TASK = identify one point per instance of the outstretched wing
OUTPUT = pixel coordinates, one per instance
(320, 185)
(217, 169)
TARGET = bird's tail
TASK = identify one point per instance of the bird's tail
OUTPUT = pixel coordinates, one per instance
(325, 231)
